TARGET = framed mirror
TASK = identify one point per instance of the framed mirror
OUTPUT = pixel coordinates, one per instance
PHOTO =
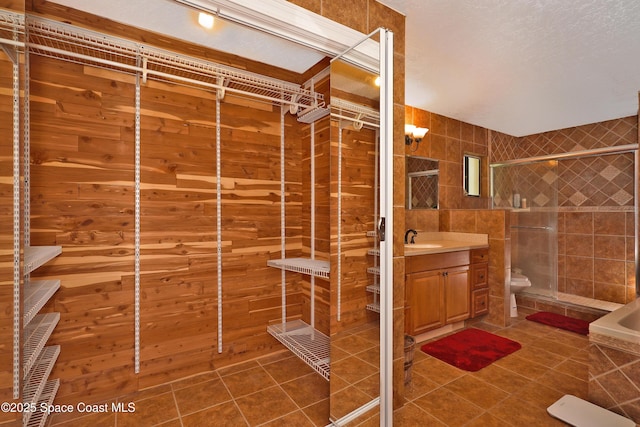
(472, 168)
(422, 183)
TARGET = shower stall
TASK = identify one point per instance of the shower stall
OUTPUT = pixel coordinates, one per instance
(573, 222)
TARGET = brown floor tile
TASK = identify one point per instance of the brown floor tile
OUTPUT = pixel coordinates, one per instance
(225, 415)
(352, 369)
(318, 413)
(150, 412)
(353, 344)
(502, 378)
(487, 420)
(295, 419)
(522, 366)
(477, 391)
(265, 405)
(519, 413)
(418, 386)
(346, 401)
(307, 390)
(573, 368)
(196, 379)
(200, 396)
(448, 407)
(437, 371)
(565, 383)
(410, 416)
(288, 369)
(247, 382)
(93, 420)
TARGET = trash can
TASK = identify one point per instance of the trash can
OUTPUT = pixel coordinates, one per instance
(409, 348)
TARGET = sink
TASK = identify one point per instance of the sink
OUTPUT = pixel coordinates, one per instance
(423, 246)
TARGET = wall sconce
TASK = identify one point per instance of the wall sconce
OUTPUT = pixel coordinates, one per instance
(413, 133)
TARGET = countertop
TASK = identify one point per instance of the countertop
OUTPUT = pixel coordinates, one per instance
(440, 242)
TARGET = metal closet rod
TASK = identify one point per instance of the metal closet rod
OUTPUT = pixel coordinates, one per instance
(616, 149)
(86, 46)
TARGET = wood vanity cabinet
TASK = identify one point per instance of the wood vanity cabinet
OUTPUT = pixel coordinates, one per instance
(479, 282)
(445, 288)
(436, 290)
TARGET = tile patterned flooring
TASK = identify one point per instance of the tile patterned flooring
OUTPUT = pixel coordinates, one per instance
(280, 390)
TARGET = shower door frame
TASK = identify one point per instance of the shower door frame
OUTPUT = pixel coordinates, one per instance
(616, 149)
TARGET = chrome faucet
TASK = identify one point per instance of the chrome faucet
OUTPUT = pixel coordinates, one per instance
(413, 237)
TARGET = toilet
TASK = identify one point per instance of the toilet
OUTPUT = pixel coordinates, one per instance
(519, 282)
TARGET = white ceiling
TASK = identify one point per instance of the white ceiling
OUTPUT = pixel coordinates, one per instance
(515, 66)
(523, 66)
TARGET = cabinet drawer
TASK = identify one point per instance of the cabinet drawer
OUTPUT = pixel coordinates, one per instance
(479, 255)
(418, 263)
(479, 302)
(479, 274)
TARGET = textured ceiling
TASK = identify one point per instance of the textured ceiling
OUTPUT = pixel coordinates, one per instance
(523, 66)
(516, 66)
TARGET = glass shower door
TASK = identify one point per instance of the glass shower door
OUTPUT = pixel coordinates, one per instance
(529, 190)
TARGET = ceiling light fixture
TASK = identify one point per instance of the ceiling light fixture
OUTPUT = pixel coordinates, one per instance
(413, 133)
(205, 20)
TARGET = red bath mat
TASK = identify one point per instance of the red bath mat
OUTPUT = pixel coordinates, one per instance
(559, 321)
(471, 349)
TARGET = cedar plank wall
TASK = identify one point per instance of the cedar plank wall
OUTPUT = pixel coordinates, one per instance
(6, 238)
(322, 240)
(83, 199)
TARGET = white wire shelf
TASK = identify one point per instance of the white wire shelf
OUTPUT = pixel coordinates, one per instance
(309, 344)
(372, 233)
(37, 293)
(36, 381)
(375, 307)
(311, 267)
(37, 332)
(374, 270)
(357, 114)
(62, 41)
(374, 252)
(39, 418)
(36, 256)
(374, 288)
(11, 28)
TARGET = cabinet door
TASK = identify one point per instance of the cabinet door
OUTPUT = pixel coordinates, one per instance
(425, 302)
(457, 295)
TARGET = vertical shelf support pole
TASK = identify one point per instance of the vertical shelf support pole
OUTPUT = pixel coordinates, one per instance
(219, 223)
(283, 253)
(16, 229)
(339, 238)
(313, 218)
(137, 229)
(386, 214)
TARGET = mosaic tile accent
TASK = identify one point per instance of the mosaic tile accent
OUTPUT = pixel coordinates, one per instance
(424, 188)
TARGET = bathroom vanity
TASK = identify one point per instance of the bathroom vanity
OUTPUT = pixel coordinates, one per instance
(446, 280)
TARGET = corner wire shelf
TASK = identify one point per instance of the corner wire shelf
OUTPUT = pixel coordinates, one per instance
(61, 41)
(307, 343)
(36, 335)
(35, 384)
(359, 115)
(37, 256)
(11, 28)
(39, 418)
(37, 293)
(311, 267)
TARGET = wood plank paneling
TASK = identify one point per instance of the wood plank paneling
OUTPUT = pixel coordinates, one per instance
(83, 199)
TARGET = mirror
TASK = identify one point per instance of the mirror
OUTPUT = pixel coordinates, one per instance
(355, 325)
(422, 183)
(472, 167)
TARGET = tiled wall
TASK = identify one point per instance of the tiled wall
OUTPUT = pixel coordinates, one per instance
(447, 141)
(595, 204)
(614, 376)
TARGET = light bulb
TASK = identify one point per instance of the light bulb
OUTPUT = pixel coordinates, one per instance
(205, 20)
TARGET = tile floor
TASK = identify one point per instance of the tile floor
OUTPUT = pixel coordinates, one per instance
(280, 390)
